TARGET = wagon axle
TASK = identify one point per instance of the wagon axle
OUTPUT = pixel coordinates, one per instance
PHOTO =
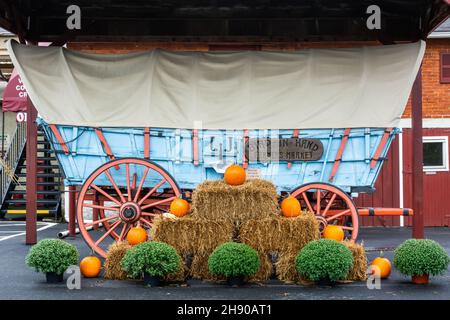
(130, 212)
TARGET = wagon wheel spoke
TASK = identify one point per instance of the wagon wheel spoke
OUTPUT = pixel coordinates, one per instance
(115, 225)
(127, 170)
(159, 184)
(148, 223)
(96, 222)
(337, 215)
(318, 204)
(158, 203)
(97, 188)
(124, 232)
(330, 203)
(305, 197)
(133, 182)
(115, 186)
(96, 206)
(149, 214)
(141, 184)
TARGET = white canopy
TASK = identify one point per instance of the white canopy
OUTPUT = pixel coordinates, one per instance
(314, 88)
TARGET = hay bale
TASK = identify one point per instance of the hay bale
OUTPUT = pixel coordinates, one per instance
(265, 270)
(359, 270)
(191, 234)
(287, 272)
(116, 252)
(255, 199)
(285, 268)
(199, 268)
(182, 274)
(280, 234)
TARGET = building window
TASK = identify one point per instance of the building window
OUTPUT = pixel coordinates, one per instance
(435, 153)
(445, 67)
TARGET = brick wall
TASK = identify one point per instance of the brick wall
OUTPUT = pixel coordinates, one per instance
(436, 96)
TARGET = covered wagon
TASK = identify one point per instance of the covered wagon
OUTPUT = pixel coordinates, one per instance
(135, 131)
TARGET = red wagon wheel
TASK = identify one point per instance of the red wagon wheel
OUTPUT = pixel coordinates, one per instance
(123, 205)
(331, 205)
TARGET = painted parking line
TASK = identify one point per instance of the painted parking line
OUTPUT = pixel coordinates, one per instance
(17, 233)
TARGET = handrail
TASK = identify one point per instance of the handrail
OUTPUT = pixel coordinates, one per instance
(9, 162)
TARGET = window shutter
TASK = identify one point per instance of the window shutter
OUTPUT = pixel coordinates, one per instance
(445, 67)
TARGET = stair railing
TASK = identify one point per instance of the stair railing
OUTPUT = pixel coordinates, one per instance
(8, 164)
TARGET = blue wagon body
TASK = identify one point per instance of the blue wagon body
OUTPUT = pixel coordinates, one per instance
(172, 149)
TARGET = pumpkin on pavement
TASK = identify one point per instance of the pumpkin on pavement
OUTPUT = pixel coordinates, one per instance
(90, 267)
(384, 265)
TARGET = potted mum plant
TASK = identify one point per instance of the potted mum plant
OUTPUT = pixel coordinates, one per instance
(151, 260)
(52, 257)
(420, 258)
(236, 261)
(324, 261)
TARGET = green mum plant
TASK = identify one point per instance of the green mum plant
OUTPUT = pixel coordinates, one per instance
(158, 259)
(52, 255)
(420, 257)
(324, 259)
(233, 259)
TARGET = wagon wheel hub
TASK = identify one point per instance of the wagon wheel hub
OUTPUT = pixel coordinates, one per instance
(130, 212)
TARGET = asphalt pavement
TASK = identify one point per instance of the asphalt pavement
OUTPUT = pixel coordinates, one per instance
(17, 281)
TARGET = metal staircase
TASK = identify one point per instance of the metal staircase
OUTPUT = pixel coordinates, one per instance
(13, 178)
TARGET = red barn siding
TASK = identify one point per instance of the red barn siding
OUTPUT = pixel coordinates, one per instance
(436, 186)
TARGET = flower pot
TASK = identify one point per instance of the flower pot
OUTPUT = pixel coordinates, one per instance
(151, 281)
(326, 282)
(420, 279)
(53, 277)
(236, 281)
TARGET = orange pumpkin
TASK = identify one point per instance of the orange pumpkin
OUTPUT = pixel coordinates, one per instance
(90, 267)
(137, 235)
(290, 207)
(179, 207)
(333, 232)
(384, 265)
(234, 175)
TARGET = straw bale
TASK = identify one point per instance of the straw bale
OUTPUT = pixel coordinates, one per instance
(280, 234)
(359, 270)
(114, 255)
(255, 199)
(193, 235)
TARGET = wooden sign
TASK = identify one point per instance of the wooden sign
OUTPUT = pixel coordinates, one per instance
(288, 149)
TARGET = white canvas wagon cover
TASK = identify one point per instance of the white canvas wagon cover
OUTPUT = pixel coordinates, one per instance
(313, 88)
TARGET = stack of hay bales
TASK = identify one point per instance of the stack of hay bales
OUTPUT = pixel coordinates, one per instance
(248, 213)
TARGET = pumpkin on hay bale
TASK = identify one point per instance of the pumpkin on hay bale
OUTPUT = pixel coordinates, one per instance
(114, 256)
(255, 199)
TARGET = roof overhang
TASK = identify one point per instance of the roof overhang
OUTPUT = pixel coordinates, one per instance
(194, 20)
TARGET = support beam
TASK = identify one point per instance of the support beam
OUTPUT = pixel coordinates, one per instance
(417, 158)
(31, 158)
(72, 209)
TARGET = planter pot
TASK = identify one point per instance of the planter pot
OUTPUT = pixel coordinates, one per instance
(236, 281)
(326, 282)
(53, 277)
(151, 281)
(421, 279)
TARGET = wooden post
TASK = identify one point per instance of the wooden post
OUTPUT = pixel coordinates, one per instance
(417, 158)
(31, 158)
(72, 209)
